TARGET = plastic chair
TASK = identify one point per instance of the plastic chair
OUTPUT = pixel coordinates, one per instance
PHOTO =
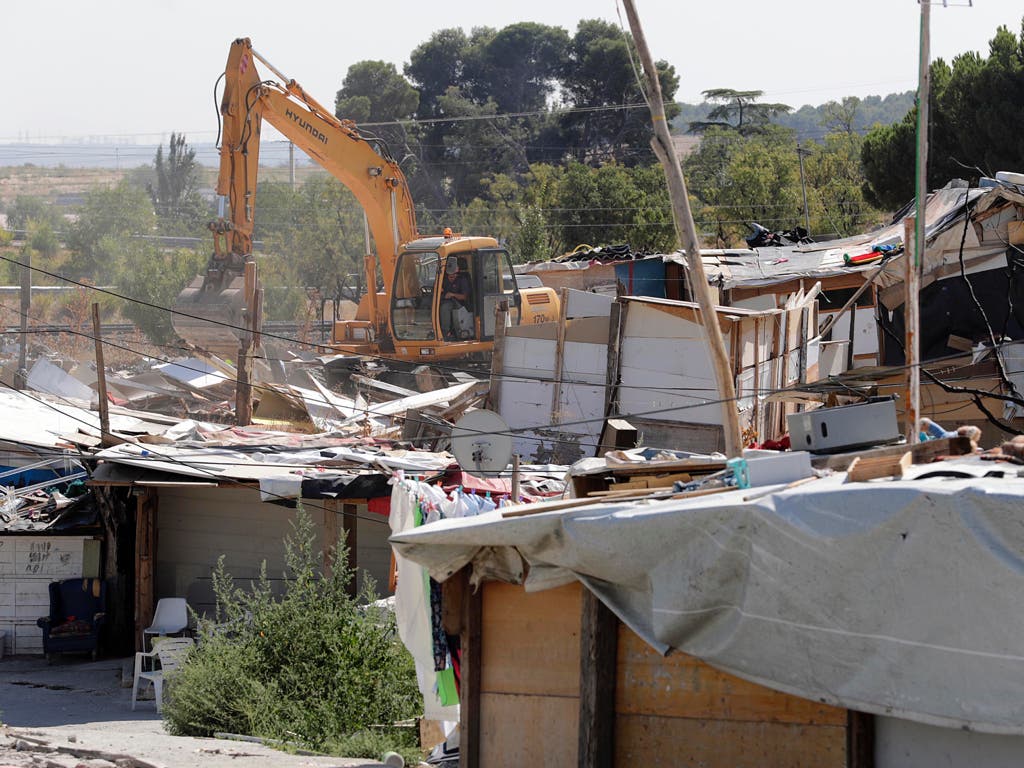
(170, 619)
(170, 652)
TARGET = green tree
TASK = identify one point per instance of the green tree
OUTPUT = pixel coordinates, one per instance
(154, 276)
(106, 216)
(740, 179)
(612, 204)
(600, 81)
(319, 235)
(26, 209)
(175, 192)
(374, 91)
(974, 128)
(739, 110)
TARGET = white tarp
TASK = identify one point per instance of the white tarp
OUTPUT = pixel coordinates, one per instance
(902, 598)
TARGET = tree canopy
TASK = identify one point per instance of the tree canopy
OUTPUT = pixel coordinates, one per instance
(974, 130)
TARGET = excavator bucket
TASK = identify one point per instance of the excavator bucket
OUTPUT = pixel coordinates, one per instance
(210, 317)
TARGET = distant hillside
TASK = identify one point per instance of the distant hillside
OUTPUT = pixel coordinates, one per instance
(807, 120)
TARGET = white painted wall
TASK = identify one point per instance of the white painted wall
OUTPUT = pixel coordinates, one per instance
(905, 744)
(27, 566)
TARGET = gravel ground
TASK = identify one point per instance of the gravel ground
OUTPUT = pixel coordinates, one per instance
(76, 713)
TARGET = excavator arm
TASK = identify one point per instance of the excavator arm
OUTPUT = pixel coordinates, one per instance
(359, 161)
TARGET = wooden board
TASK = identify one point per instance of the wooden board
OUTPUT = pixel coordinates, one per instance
(531, 641)
(656, 742)
(528, 731)
(681, 686)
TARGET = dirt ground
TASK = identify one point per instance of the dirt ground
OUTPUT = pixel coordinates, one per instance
(76, 714)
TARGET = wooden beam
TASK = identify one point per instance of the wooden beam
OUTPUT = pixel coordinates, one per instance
(599, 640)
(472, 658)
(101, 378)
(559, 367)
(687, 230)
(145, 557)
(616, 322)
(497, 356)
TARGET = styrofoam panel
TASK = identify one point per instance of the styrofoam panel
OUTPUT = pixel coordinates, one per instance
(585, 362)
(529, 354)
(525, 403)
(649, 323)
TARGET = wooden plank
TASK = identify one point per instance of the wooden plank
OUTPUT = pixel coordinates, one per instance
(862, 469)
(556, 391)
(498, 356)
(922, 453)
(611, 378)
(145, 549)
(382, 386)
(528, 731)
(599, 633)
(471, 643)
(682, 686)
(531, 640)
(654, 742)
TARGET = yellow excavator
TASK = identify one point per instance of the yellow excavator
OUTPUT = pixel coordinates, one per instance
(439, 292)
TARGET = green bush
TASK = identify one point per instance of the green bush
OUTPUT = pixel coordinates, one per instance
(311, 666)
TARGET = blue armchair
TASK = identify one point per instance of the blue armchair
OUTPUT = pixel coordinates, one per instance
(77, 611)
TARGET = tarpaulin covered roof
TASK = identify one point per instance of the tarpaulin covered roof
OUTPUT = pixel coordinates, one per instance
(903, 598)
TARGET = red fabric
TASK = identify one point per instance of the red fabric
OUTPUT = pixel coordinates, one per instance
(381, 505)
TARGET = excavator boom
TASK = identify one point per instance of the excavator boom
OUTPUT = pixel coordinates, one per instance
(427, 309)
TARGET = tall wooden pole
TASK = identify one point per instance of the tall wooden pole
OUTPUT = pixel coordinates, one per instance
(915, 255)
(246, 348)
(101, 377)
(21, 377)
(687, 231)
(912, 326)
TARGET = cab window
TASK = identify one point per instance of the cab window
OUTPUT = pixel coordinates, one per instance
(413, 296)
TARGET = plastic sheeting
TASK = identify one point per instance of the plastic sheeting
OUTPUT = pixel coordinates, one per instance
(902, 598)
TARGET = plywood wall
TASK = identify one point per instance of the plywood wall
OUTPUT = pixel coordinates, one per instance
(669, 711)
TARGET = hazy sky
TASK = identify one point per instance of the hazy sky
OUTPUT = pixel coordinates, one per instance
(135, 70)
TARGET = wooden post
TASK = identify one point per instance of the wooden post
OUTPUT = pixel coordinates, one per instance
(349, 524)
(472, 659)
(556, 390)
(515, 478)
(616, 322)
(663, 148)
(912, 326)
(243, 386)
(145, 555)
(599, 644)
(101, 377)
(26, 307)
(497, 356)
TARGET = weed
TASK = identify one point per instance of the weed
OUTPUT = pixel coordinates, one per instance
(311, 665)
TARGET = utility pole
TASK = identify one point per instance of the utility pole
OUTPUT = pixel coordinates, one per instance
(687, 231)
(21, 377)
(800, 152)
(914, 256)
(291, 164)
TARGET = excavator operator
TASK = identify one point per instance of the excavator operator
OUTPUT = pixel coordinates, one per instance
(455, 290)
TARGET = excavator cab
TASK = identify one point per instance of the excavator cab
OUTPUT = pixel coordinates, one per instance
(418, 303)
